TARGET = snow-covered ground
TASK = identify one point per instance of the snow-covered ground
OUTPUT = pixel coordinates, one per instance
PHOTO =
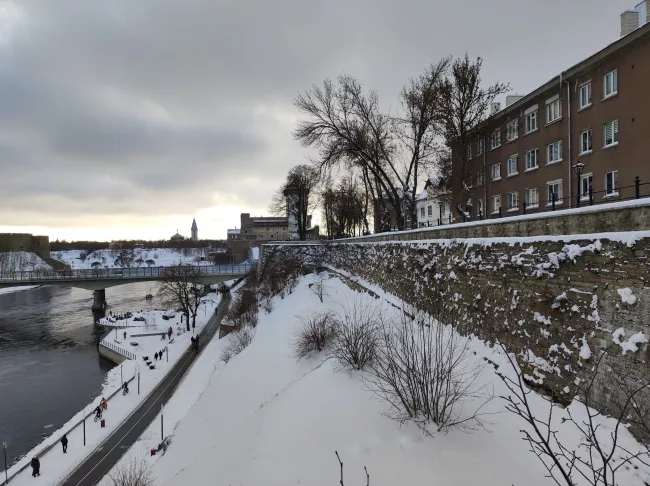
(22, 261)
(161, 257)
(54, 464)
(265, 418)
(9, 290)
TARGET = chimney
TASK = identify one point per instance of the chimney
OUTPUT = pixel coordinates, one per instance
(495, 107)
(629, 22)
(510, 99)
(647, 11)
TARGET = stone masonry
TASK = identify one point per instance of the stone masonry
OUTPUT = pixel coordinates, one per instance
(561, 300)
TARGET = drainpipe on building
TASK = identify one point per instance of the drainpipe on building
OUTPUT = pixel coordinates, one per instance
(485, 179)
(568, 107)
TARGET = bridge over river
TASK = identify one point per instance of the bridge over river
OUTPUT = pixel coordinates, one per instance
(99, 279)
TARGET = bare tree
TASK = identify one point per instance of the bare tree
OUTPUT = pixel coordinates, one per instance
(181, 288)
(297, 199)
(134, 472)
(599, 455)
(348, 127)
(318, 287)
(465, 108)
(341, 468)
(314, 334)
(358, 336)
(237, 342)
(423, 370)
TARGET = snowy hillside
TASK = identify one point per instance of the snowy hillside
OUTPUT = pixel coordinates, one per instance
(161, 257)
(22, 261)
(267, 419)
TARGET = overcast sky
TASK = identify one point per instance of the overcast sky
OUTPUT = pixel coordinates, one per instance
(126, 119)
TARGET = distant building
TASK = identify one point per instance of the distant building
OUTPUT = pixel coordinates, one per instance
(10, 242)
(195, 231)
(256, 231)
(177, 237)
(433, 205)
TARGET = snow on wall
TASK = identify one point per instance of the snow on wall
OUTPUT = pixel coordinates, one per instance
(161, 257)
(533, 294)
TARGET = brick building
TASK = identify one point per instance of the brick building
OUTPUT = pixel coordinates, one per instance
(592, 118)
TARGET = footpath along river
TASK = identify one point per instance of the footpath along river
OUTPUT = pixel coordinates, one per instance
(49, 365)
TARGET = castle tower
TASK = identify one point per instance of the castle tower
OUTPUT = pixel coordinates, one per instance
(195, 231)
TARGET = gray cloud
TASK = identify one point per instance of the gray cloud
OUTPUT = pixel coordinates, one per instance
(107, 108)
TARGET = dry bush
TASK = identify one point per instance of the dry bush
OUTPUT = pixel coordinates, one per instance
(134, 472)
(237, 342)
(318, 287)
(424, 371)
(243, 308)
(314, 334)
(359, 332)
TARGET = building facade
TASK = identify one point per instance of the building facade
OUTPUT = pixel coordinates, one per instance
(11, 242)
(581, 138)
(433, 206)
(255, 231)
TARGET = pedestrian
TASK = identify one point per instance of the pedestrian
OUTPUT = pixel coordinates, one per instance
(36, 467)
(192, 339)
(161, 353)
(169, 332)
(193, 325)
(64, 443)
(125, 335)
(156, 356)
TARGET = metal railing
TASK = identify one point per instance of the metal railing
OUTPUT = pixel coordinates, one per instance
(119, 350)
(118, 273)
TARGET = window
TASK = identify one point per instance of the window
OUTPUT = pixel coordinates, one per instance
(469, 152)
(479, 146)
(479, 177)
(430, 211)
(585, 142)
(530, 123)
(554, 192)
(422, 212)
(553, 110)
(611, 183)
(512, 130)
(496, 139)
(496, 172)
(442, 210)
(585, 95)
(554, 152)
(610, 84)
(531, 197)
(513, 201)
(512, 165)
(611, 133)
(532, 159)
(585, 185)
(496, 204)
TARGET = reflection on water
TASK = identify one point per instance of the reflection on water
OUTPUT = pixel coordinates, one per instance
(49, 365)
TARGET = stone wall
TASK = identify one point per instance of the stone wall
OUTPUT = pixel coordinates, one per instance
(10, 242)
(635, 216)
(558, 299)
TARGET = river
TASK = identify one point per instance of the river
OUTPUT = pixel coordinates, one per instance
(49, 364)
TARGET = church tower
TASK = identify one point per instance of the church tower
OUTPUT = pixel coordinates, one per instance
(195, 231)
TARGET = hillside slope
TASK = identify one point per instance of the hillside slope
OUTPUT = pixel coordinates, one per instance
(265, 419)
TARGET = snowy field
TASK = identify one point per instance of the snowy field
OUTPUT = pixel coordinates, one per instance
(266, 419)
(161, 257)
(22, 261)
(54, 464)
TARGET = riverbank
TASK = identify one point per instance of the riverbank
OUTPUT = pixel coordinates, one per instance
(54, 464)
(11, 290)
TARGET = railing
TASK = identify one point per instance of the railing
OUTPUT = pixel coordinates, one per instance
(119, 350)
(119, 273)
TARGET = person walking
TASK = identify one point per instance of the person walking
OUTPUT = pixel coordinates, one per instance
(36, 467)
(155, 356)
(64, 443)
(125, 335)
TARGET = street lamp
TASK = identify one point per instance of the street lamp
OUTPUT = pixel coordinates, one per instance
(578, 168)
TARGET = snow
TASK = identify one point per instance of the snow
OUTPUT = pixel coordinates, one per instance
(541, 319)
(162, 257)
(631, 345)
(627, 297)
(9, 290)
(255, 253)
(54, 464)
(264, 418)
(22, 261)
(585, 352)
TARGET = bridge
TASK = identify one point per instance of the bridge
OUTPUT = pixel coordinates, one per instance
(99, 279)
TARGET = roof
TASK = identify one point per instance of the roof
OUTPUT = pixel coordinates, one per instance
(270, 220)
(194, 226)
(616, 46)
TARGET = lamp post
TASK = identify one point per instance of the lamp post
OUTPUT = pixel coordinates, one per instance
(578, 168)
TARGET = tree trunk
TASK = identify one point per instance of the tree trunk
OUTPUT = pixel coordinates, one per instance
(187, 321)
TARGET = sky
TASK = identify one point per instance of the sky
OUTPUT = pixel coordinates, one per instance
(127, 119)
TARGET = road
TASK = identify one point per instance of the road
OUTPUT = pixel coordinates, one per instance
(95, 467)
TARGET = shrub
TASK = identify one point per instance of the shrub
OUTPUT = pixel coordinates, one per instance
(135, 472)
(359, 332)
(424, 371)
(314, 334)
(237, 342)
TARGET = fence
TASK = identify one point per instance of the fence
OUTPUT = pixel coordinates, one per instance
(119, 273)
(119, 350)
